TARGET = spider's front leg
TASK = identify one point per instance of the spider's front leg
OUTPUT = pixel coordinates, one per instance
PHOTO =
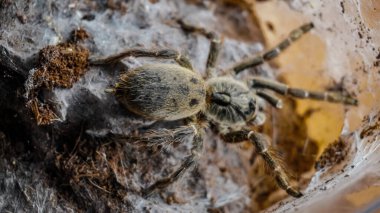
(283, 89)
(262, 147)
(273, 53)
(188, 162)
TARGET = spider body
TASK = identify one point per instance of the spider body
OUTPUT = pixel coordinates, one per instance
(162, 91)
(172, 92)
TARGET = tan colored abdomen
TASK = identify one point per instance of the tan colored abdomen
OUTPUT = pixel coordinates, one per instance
(162, 92)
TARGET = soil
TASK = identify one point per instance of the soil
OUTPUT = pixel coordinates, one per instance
(59, 66)
(334, 154)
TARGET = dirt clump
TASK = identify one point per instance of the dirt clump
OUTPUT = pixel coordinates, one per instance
(79, 34)
(333, 154)
(60, 66)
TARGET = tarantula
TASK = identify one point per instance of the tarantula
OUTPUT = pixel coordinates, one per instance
(172, 92)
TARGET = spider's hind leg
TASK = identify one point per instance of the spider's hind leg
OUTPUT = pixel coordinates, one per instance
(188, 162)
(162, 53)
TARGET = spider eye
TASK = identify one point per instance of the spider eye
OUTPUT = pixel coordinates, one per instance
(252, 105)
(222, 99)
(252, 109)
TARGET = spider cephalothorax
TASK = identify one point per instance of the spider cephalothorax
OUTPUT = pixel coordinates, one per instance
(172, 92)
(230, 102)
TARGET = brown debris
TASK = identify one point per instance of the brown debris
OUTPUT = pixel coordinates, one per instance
(117, 5)
(21, 17)
(43, 113)
(367, 131)
(60, 66)
(333, 154)
(94, 170)
(79, 34)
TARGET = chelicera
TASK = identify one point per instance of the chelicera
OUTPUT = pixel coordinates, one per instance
(175, 91)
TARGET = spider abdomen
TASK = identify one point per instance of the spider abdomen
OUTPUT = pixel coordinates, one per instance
(162, 91)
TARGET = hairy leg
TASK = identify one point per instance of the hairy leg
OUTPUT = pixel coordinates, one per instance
(214, 46)
(188, 162)
(283, 89)
(270, 98)
(164, 54)
(259, 141)
(269, 55)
